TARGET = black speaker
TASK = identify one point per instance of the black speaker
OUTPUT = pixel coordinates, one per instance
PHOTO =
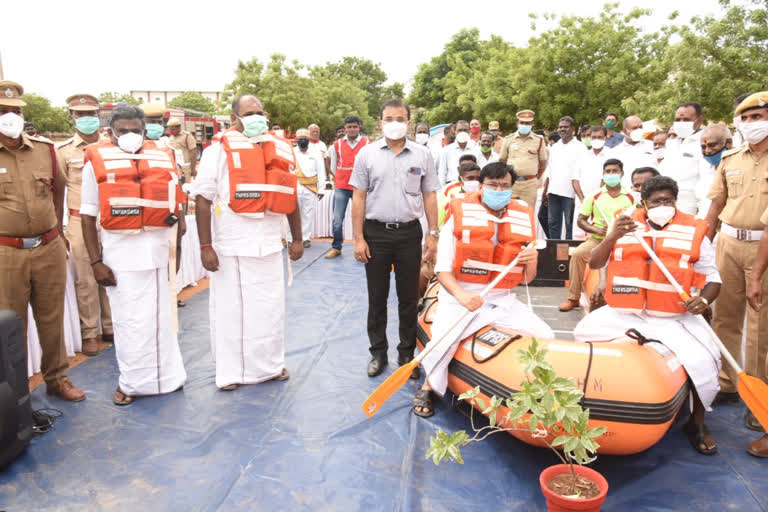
(15, 408)
(554, 262)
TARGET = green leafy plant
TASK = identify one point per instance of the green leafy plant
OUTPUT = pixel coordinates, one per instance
(547, 405)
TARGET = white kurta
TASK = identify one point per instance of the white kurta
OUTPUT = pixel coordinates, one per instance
(146, 345)
(501, 308)
(311, 164)
(682, 162)
(247, 297)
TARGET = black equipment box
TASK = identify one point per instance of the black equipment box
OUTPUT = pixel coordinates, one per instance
(554, 262)
(15, 408)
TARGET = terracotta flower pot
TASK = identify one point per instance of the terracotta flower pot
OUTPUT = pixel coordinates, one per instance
(557, 503)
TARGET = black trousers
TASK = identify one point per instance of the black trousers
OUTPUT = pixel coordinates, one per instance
(401, 248)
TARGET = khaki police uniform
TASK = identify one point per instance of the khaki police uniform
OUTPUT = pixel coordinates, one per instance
(92, 299)
(185, 145)
(33, 268)
(525, 153)
(741, 182)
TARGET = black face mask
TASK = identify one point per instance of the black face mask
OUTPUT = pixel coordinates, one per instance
(302, 143)
(451, 138)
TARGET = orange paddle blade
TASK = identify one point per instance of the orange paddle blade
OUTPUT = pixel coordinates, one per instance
(388, 388)
(754, 392)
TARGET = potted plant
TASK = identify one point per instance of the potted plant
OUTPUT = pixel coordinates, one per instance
(550, 407)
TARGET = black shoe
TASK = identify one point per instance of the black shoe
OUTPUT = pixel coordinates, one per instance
(376, 366)
(726, 397)
(751, 422)
(401, 360)
(108, 338)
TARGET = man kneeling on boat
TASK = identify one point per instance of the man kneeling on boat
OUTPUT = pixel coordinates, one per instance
(640, 297)
(486, 230)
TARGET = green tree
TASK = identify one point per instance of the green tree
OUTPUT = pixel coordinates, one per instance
(116, 97)
(193, 101)
(716, 60)
(45, 117)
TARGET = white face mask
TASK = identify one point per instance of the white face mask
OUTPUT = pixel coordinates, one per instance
(470, 186)
(11, 125)
(598, 143)
(683, 129)
(462, 138)
(422, 138)
(754, 132)
(394, 130)
(130, 142)
(659, 153)
(661, 215)
(636, 135)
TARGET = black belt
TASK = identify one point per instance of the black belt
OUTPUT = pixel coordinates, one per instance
(393, 225)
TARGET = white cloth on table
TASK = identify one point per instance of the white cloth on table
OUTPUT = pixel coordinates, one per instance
(247, 319)
(682, 334)
(72, 335)
(146, 346)
(323, 227)
(191, 269)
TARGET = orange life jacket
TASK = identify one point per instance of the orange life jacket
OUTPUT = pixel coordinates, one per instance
(478, 259)
(345, 160)
(635, 283)
(138, 190)
(255, 187)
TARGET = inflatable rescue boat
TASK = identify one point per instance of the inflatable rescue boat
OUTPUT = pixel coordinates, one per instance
(634, 390)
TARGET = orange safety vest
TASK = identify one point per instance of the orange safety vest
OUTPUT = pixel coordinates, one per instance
(345, 160)
(635, 283)
(138, 190)
(259, 174)
(478, 259)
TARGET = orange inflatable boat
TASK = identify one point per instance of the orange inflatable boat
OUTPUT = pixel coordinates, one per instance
(633, 390)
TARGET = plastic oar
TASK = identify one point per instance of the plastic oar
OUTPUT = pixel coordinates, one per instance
(400, 376)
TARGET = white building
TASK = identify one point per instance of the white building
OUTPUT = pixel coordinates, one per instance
(163, 97)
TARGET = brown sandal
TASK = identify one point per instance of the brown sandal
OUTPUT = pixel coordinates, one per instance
(120, 398)
(284, 375)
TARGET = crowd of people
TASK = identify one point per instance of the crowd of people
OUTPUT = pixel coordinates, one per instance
(698, 193)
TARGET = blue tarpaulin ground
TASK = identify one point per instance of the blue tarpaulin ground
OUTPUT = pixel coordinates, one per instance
(305, 444)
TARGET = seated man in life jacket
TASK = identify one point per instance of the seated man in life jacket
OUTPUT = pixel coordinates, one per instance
(640, 297)
(469, 172)
(485, 231)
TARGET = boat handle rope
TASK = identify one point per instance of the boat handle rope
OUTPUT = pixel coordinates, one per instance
(639, 338)
(586, 376)
(497, 352)
(425, 315)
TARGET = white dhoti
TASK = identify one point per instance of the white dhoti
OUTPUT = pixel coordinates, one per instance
(691, 343)
(247, 344)
(501, 310)
(307, 202)
(146, 345)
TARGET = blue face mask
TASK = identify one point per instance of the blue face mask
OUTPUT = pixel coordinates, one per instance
(715, 159)
(253, 125)
(155, 131)
(87, 125)
(496, 199)
(612, 179)
(524, 129)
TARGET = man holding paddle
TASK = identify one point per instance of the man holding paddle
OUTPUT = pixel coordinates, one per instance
(640, 297)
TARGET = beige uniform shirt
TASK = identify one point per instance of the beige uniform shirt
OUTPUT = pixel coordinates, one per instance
(185, 142)
(26, 189)
(70, 156)
(524, 153)
(741, 181)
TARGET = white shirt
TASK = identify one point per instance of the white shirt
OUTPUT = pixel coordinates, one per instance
(706, 176)
(335, 157)
(318, 147)
(311, 164)
(682, 162)
(233, 234)
(145, 250)
(633, 157)
(482, 161)
(589, 173)
(564, 161)
(448, 169)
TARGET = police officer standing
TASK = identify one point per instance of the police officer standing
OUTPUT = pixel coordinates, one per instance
(92, 301)
(739, 196)
(527, 153)
(33, 265)
(185, 146)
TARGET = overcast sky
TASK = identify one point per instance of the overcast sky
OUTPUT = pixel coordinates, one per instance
(57, 48)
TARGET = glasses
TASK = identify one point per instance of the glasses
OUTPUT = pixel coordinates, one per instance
(660, 202)
(497, 186)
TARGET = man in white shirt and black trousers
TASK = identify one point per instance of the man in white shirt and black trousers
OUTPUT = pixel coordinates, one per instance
(395, 184)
